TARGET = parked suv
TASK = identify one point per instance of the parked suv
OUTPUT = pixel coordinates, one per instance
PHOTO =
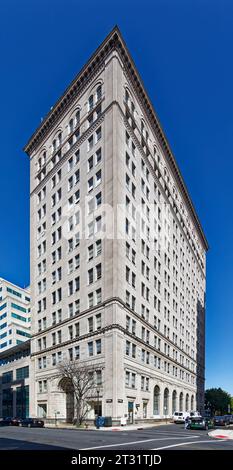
(221, 420)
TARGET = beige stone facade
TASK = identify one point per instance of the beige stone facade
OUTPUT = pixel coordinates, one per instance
(117, 250)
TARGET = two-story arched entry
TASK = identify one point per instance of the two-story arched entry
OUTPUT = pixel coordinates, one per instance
(156, 404)
(66, 386)
(192, 403)
(166, 402)
(181, 401)
(174, 401)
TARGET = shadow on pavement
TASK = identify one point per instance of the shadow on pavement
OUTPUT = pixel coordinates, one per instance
(15, 444)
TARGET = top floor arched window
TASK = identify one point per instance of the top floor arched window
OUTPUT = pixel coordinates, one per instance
(95, 96)
(98, 92)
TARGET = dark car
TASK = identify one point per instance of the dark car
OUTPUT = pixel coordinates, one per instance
(221, 421)
(15, 421)
(32, 423)
(199, 422)
(229, 419)
(5, 421)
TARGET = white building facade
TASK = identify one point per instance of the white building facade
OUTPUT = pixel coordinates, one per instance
(15, 315)
(117, 251)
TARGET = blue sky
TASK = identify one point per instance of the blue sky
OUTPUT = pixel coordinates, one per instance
(183, 51)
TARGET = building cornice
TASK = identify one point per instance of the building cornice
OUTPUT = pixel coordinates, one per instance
(114, 41)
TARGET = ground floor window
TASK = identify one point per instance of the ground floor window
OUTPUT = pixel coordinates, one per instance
(22, 401)
(156, 400)
(7, 402)
(166, 402)
(144, 409)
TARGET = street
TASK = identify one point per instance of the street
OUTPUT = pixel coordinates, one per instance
(163, 437)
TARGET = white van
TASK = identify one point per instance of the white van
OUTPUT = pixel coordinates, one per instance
(180, 417)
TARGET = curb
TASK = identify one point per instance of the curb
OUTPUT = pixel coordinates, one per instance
(104, 429)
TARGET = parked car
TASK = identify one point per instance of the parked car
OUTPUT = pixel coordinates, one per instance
(15, 421)
(5, 421)
(221, 420)
(230, 419)
(32, 423)
(201, 423)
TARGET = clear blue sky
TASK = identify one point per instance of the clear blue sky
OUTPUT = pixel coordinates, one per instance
(183, 50)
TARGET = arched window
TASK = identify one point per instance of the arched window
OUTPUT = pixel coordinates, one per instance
(156, 400)
(127, 97)
(98, 92)
(39, 164)
(174, 401)
(59, 139)
(54, 145)
(90, 102)
(71, 125)
(192, 403)
(187, 402)
(166, 402)
(77, 117)
(181, 401)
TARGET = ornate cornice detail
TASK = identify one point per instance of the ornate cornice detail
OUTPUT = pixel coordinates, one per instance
(77, 86)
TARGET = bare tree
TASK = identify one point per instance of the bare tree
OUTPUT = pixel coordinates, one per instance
(79, 380)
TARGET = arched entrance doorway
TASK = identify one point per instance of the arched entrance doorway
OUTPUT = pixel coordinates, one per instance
(174, 401)
(166, 402)
(66, 386)
(181, 402)
(156, 405)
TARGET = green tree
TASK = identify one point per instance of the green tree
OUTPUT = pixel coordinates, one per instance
(231, 404)
(217, 400)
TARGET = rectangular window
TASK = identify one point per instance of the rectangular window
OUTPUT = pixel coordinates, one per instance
(90, 348)
(98, 346)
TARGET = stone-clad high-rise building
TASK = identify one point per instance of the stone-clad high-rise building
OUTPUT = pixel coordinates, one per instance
(117, 250)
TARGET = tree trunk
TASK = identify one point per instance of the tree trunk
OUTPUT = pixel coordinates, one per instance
(78, 414)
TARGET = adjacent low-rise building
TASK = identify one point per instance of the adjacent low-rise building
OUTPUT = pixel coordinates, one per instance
(15, 381)
(15, 315)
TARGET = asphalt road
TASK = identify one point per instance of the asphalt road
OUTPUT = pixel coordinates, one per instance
(163, 437)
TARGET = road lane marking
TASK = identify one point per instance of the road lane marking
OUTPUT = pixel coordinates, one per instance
(188, 443)
(135, 442)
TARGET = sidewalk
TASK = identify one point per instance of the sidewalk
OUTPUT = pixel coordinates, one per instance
(129, 427)
(222, 434)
